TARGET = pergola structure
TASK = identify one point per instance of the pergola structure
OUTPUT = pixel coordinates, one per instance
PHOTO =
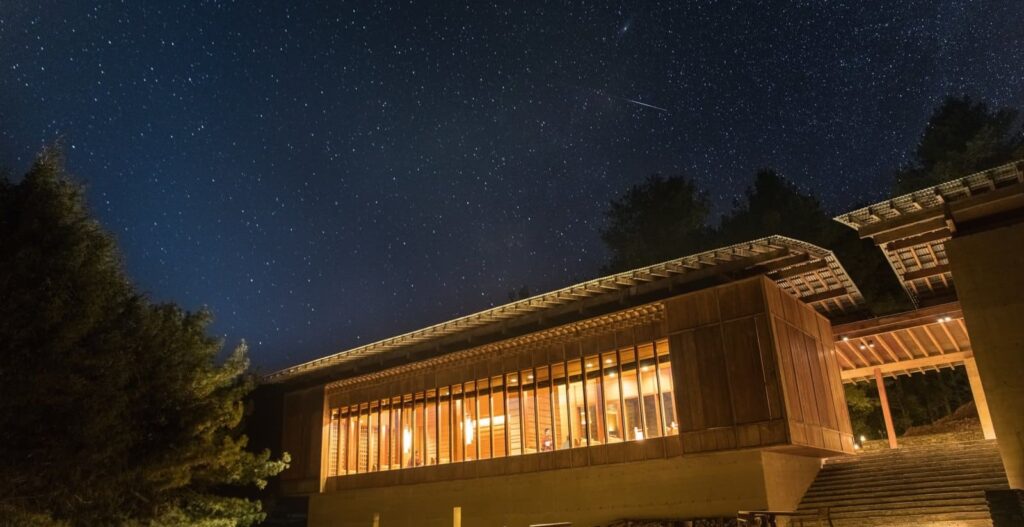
(913, 231)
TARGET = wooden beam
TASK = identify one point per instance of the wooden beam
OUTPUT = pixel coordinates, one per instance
(773, 266)
(936, 223)
(824, 295)
(926, 272)
(800, 269)
(906, 243)
(890, 430)
(947, 360)
(905, 320)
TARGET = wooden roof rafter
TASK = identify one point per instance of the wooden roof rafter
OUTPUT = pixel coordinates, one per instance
(926, 339)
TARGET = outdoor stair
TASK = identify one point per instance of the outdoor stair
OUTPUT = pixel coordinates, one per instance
(941, 485)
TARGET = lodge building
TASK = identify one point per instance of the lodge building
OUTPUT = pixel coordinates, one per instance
(694, 388)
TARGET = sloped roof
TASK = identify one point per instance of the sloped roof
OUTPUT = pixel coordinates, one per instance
(807, 271)
(912, 229)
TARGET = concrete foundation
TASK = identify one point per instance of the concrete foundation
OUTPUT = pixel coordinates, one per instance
(989, 271)
(691, 486)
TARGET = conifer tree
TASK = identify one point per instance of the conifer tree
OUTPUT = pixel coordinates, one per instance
(113, 409)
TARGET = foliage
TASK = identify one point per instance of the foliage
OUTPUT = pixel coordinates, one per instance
(666, 218)
(660, 219)
(863, 409)
(774, 205)
(962, 136)
(113, 409)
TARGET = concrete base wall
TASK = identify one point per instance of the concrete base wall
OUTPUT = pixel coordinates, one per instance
(989, 271)
(691, 486)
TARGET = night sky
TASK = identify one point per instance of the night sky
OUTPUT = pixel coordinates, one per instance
(322, 177)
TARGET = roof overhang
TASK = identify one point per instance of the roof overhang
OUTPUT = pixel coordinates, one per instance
(925, 339)
(807, 271)
(911, 230)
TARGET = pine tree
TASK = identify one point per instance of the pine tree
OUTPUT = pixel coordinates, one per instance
(963, 136)
(661, 219)
(113, 409)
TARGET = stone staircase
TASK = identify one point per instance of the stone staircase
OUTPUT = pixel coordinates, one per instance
(940, 485)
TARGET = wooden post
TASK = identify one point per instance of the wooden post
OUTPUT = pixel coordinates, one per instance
(376, 519)
(890, 431)
(457, 517)
(980, 402)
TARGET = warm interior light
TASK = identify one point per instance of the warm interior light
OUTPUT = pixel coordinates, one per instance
(529, 377)
(406, 441)
(846, 339)
(469, 431)
(607, 361)
(589, 365)
(638, 434)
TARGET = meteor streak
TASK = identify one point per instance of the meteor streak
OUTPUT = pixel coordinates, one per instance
(660, 109)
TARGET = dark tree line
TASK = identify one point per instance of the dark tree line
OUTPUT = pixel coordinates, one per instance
(114, 410)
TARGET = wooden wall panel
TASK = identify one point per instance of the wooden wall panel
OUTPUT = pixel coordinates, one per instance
(770, 365)
(747, 381)
(712, 372)
(727, 373)
(686, 372)
(691, 310)
(813, 395)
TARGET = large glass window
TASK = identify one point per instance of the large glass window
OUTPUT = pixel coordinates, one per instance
(595, 400)
(498, 428)
(364, 439)
(469, 418)
(385, 429)
(649, 392)
(353, 441)
(483, 408)
(609, 397)
(395, 441)
(529, 400)
(577, 405)
(514, 419)
(444, 425)
(373, 436)
(544, 413)
(430, 426)
(459, 429)
(632, 420)
(407, 432)
(560, 406)
(333, 443)
(419, 433)
(668, 404)
(612, 399)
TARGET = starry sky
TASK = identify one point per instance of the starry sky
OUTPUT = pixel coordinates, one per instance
(322, 176)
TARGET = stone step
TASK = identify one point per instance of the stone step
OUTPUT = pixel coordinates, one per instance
(911, 483)
(896, 456)
(905, 502)
(923, 467)
(945, 520)
(941, 485)
(885, 480)
(887, 460)
(865, 498)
